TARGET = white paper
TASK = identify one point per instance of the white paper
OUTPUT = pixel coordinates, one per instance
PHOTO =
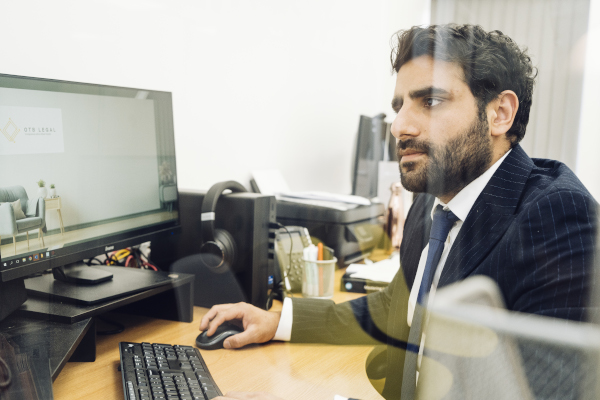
(319, 203)
(381, 271)
(270, 181)
(324, 196)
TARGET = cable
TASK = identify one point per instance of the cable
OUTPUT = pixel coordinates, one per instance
(116, 257)
(128, 257)
(152, 267)
(286, 273)
(8, 380)
(111, 259)
(119, 327)
(148, 262)
(122, 254)
(97, 261)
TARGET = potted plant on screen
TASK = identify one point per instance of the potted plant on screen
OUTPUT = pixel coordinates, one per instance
(42, 192)
(52, 191)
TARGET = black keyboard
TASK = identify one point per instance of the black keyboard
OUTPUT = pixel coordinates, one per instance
(154, 371)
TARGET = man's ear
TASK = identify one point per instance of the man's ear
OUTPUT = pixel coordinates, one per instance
(503, 111)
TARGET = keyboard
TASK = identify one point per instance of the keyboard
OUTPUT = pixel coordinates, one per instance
(153, 371)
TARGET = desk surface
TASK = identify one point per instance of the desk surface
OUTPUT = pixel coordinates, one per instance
(288, 370)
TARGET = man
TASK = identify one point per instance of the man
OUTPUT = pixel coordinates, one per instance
(462, 99)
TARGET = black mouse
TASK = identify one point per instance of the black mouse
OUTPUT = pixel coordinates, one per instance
(226, 329)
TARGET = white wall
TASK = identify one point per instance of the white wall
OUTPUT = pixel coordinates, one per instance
(588, 166)
(256, 84)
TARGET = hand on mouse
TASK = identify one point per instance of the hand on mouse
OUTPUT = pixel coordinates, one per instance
(259, 325)
(247, 396)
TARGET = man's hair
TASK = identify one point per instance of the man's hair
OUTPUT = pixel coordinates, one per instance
(491, 63)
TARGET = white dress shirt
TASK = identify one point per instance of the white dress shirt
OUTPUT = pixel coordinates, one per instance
(460, 205)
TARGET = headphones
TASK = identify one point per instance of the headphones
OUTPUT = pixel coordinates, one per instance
(218, 245)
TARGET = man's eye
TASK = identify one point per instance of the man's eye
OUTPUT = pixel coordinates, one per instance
(430, 102)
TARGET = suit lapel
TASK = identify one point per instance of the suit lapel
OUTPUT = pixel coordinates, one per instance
(489, 218)
(416, 236)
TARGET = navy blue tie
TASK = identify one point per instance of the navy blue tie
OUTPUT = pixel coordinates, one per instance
(442, 223)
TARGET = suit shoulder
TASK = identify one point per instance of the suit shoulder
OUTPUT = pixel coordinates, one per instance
(550, 179)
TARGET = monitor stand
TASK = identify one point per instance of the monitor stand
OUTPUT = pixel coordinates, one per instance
(124, 281)
(12, 295)
(60, 301)
(79, 273)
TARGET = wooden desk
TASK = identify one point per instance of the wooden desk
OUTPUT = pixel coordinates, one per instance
(291, 371)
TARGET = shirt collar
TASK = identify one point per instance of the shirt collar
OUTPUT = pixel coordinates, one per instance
(462, 203)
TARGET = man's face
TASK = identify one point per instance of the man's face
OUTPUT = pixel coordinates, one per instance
(444, 141)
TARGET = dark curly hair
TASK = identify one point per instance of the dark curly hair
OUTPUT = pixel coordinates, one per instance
(491, 63)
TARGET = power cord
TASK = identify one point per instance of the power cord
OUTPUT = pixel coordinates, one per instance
(6, 383)
(286, 273)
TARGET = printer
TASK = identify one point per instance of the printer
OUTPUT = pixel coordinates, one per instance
(351, 225)
(351, 230)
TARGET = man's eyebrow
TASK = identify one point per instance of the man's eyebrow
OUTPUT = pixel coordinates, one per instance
(428, 91)
(419, 94)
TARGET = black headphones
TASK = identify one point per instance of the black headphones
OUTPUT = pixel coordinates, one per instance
(217, 244)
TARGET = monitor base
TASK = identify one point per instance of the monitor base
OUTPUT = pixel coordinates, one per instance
(79, 273)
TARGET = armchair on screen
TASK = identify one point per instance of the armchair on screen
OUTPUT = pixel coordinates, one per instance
(19, 214)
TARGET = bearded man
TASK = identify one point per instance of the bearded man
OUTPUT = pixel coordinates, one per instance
(462, 100)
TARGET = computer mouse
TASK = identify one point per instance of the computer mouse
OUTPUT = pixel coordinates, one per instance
(226, 329)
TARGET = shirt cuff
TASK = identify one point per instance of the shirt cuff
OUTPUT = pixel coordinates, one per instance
(284, 329)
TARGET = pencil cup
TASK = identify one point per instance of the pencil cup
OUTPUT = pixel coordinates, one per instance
(317, 278)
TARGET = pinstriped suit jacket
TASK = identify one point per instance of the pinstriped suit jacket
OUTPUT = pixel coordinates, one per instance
(532, 230)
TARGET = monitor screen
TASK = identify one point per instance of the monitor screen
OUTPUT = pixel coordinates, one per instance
(86, 169)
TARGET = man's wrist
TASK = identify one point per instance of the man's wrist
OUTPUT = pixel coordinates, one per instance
(284, 328)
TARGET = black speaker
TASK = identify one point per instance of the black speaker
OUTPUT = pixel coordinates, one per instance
(246, 218)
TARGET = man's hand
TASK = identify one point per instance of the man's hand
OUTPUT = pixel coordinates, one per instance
(259, 325)
(247, 396)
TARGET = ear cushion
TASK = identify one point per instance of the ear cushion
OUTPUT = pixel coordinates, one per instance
(220, 253)
(228, 243)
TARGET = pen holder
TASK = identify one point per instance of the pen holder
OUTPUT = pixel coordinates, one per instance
(318, 277)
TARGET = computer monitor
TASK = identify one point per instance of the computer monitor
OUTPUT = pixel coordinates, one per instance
(374, 143)
(108, 153)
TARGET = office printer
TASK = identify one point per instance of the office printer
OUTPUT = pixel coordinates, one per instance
(353, 231)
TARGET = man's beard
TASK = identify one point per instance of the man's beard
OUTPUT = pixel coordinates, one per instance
(451, 167)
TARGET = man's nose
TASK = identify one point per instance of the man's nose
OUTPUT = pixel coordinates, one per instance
(404, 124)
